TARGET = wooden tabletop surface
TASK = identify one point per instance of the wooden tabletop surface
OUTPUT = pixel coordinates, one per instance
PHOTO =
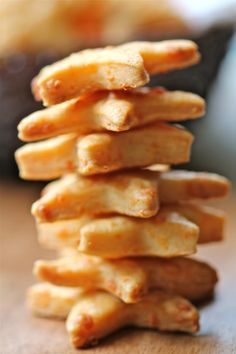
(23, 334)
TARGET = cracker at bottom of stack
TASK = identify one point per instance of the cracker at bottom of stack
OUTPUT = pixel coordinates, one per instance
(95, 314)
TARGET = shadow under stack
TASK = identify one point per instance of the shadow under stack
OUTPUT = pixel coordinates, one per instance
(122, 222)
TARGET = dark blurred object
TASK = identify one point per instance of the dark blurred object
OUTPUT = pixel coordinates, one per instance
(16, 101)
(215, 146)
(17, 71)
(197, 79)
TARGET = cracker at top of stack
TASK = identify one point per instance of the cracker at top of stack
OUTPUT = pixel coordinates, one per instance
(112, 68)
(94, 113)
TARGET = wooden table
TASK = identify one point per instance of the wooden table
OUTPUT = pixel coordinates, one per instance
(23, 334)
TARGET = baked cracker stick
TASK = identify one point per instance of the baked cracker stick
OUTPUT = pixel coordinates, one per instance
(66, 233)
(115, 111)
(129, 193)
(47, 159)
(80, 115)
(104, 152)
(182, 185)
(62, 233)
(90, 113)
(111, 68)
(166, 55)
(130, 279)
(124, 279)
(157, 104)
(99, 314)
(210, 221)
(167, 234)
(157, 143)
(89, 70)
(51, 301)
(187, 277)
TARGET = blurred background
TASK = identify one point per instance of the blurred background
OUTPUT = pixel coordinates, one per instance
(34, 33)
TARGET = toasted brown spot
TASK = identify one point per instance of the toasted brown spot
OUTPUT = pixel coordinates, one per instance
(70, 166)
(44, 212)
(83, 323)
(111, 285)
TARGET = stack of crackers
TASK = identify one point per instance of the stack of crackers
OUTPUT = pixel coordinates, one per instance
(122, 222)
